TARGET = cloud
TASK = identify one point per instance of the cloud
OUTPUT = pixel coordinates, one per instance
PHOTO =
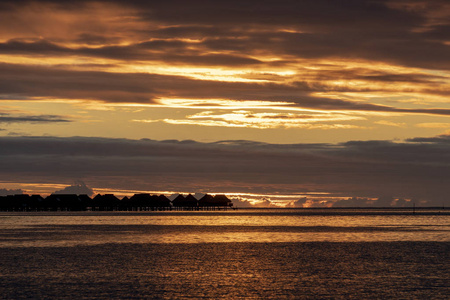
(15, 133)
(320, 203)
(417, 168)
(326, 50)
(389, 123)
(250, 119)
(433, 125)
(241, 203)
(230, 33)
(259, 125)
(383, 201)
(8, 118)
(174, 52)
(438, 140)
(300, 202)
(353, 202)
(76, 188)
(54, 83)
(265, 203)
(6, 192)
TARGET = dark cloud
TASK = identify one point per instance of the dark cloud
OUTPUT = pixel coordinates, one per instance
(39, 47)
(15, 133)
(6, 192)
(96, 39)
(256, 12)
(384, 201)
(438, 32)
(172, 52)
(8, 118)
(311, 14)
(360, 169)
(443, 139)
(389, 31)
(377, 76)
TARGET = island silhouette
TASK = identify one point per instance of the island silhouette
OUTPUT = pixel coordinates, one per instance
(109, 202)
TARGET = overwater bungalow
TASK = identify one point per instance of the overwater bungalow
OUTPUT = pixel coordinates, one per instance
(36, 202)
(163, 201)
(124, 204)
(68, 202)
(149, 202)
(19, 202)
(140, 201)
(222, 200)
(178, 201)
(206, 200)
(216, 201)
(105, 202)
(188, 201)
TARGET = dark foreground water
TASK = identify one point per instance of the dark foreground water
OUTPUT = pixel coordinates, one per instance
(405, 270)
(257, 254)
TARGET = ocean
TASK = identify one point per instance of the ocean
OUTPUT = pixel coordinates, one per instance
(235, 254)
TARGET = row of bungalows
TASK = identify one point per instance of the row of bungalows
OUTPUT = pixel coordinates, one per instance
(109, 202)
(205, 202)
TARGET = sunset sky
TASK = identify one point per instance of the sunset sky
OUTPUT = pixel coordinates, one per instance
(299, 103)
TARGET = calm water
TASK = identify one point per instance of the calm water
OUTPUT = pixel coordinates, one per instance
(259, 254)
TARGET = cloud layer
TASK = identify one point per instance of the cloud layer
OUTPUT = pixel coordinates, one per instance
(319, 54)
(410, 32)
(20, 118)
(417, 169)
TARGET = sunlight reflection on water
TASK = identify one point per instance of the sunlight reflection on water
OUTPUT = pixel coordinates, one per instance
(89, 228)
(245, 255)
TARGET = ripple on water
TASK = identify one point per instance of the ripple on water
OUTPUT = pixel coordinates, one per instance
(413, 270)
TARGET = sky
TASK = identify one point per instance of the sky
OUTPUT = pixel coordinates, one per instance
(291, 103)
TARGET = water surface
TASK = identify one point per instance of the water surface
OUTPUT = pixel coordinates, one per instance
(250, 254)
